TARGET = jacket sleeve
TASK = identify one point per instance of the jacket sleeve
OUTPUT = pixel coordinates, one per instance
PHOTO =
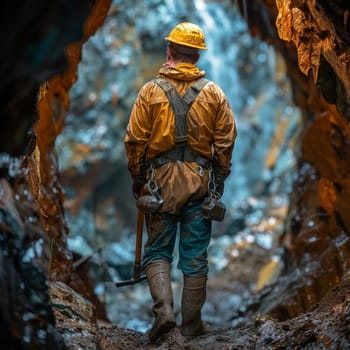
(224, 137)
(137, 134)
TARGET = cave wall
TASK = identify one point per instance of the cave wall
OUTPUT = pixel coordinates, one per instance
(313, 37)
(41, 52)
(32, 52)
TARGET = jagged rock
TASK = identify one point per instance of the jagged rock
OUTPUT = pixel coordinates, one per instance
(325, 327)
(75, 317)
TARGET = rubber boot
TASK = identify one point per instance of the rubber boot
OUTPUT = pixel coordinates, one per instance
(158, 277)
(193, 297)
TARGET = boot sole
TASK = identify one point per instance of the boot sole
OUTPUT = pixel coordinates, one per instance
(204, 329)
(163, 328)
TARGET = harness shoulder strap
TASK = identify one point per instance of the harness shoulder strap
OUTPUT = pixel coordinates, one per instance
(172, 95)
(194, 90)
(181, 106)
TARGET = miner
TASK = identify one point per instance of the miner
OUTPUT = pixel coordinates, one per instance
(179, 143)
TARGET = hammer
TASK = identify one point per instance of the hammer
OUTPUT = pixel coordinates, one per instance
(138, 247)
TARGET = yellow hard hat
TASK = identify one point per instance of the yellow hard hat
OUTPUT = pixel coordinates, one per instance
(187, 34)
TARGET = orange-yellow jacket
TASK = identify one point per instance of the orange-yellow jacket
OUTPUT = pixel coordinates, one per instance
(151, 131)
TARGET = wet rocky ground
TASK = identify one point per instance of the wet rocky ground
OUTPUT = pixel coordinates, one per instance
(247, 277)
(236, 292)
(327, 326)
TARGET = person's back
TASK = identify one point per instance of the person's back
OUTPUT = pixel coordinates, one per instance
(180, 143)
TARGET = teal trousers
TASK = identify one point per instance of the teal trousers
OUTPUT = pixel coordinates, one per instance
(194, 237)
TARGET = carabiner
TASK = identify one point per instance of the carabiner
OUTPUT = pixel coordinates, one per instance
(200, 170)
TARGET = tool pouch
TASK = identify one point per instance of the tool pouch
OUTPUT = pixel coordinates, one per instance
(150, 203)
(213, 209)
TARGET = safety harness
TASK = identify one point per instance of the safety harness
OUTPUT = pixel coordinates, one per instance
(181, 150)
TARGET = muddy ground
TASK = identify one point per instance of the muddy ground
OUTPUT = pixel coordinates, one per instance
(326, 326)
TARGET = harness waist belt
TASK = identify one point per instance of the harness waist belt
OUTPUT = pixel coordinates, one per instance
(187, 156)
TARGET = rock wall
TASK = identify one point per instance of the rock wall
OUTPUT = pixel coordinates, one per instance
(313, 37)
(41, 51)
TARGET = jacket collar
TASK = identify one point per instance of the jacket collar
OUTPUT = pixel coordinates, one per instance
(180, 71)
